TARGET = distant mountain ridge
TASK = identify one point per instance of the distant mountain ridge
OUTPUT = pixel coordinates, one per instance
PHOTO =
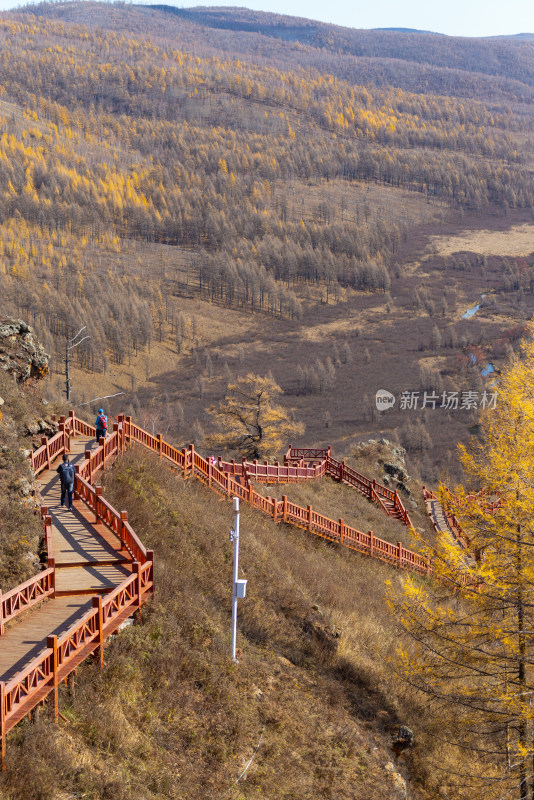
(509, 57)
(420, 62)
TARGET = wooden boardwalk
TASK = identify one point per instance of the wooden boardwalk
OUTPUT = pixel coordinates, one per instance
(99, 572)
(89, 561)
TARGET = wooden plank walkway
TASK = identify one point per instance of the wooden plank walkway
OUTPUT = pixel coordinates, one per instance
(89, 561)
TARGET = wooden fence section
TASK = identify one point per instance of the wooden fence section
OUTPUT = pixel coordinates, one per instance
(387, 499)
(41, 677)
(271, 473)
(221, 476)
(26, 595)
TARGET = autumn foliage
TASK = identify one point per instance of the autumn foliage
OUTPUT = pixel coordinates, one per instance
(249, 420)
(472, 650)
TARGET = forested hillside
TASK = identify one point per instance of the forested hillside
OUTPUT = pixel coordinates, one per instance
(151, 159)
(193, 201)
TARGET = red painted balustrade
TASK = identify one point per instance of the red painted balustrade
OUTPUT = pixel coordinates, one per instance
(63, 654)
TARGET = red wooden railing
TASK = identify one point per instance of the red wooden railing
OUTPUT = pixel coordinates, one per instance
(220, 476)
(63, 654)
(26, 595)
(387, 499)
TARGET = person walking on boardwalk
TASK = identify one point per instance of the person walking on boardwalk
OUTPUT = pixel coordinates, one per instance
(66, 474)
(101, 425)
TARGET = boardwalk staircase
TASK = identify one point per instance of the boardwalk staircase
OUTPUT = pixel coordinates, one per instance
(98, 573)
(387, 499)
(444, 521)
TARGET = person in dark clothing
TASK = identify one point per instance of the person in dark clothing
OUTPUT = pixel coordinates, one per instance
(66, 474)
(101, 425)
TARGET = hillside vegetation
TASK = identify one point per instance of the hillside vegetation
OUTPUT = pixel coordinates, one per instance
(171, 716)
(199, 198)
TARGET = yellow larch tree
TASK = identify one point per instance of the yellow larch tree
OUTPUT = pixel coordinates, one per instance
(249, 420)
(470, 644)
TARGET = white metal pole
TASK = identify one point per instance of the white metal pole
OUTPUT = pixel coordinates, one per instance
(235, 536)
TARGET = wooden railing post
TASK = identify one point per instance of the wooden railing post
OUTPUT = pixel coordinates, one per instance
(44, 443)
(284, 507)
(399, 545)
(76, 493)
(3, 722)
(51, 642)
(51, 564)
(342, 471)
(371, 543)
(341, 531)
(136, 567)
(310, 512)
(1, 615)
(275, 509)
(98, 496)
(88, 459)
(160, 445)
(97, 603)
(47, 521)
(120, 427)
(150, 557)
(192, 457)
(124, 518)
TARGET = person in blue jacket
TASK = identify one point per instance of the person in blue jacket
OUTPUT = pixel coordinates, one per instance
(101, 425)
(66, 474)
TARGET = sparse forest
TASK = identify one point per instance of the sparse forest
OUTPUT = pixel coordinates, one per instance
(240, 227)
(112, 145)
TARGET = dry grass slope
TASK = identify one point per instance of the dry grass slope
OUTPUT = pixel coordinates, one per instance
(171, 717)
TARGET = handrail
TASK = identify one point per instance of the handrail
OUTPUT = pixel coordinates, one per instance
(62, 654)
(375, 491)
(221, 477)
(26, 595)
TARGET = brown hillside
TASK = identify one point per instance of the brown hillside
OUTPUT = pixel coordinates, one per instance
(171, 717)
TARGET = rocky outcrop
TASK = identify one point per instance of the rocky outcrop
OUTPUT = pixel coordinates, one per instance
(391, 458)
(21, 355)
